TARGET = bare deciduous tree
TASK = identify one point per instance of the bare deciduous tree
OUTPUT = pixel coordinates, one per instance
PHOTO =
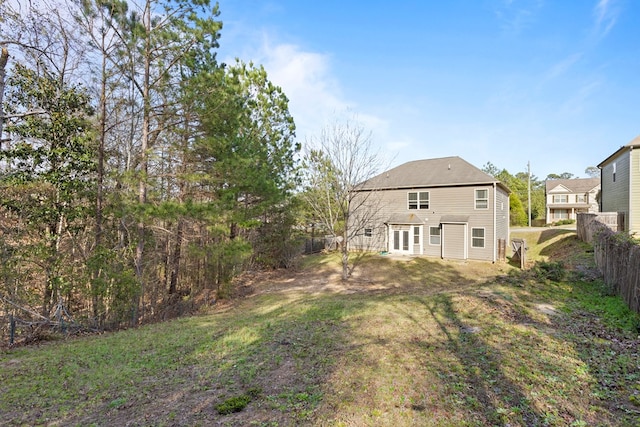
(336, 165)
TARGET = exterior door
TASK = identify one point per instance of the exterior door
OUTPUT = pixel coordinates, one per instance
(416, 239)
(400, 239)
(454, 241)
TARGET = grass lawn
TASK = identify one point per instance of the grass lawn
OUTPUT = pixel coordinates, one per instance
(406, 342)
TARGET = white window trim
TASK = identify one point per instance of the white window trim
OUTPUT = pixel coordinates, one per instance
(476, 199)
(484, 237)
(418, 199)
(565, 196)
(439, 236)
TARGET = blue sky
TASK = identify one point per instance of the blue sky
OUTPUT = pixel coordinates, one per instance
(553, 83)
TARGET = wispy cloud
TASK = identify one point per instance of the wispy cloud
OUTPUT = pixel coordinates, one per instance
(606, 15)
(315, 96)
(562, 67)
(304, 77)
(580, 99)
(516, 16)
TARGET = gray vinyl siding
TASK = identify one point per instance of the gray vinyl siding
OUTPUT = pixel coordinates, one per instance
(502, 214)
(373, 219)
(615, 195)
(443, 201)
(483, 219)
(377, 242)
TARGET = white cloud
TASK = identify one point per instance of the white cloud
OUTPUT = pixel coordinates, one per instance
(517, 15)
(563, 66)
(315, 95)
(606, 15)
(580, 100)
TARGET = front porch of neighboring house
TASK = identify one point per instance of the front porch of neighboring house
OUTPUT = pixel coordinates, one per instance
(565, 211)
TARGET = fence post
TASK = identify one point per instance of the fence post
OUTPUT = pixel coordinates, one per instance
(502, 249)
(12, 329)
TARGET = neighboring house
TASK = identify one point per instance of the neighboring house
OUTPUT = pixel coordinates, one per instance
(566, 198)
(442, 207)
(620, 181)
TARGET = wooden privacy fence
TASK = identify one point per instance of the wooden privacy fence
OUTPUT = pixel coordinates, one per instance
(617, 257)
(585, 227)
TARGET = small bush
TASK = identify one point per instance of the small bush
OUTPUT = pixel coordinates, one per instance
(233, 404)
(554, 271)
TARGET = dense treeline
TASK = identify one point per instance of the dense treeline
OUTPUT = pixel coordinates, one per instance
(519, 198)
(136, 172)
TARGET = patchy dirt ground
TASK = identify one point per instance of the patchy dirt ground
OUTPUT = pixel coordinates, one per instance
(377, 274)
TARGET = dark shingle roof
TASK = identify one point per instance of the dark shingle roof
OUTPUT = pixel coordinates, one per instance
(445, 171)
(578, 185)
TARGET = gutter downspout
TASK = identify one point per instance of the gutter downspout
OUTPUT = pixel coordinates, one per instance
(630, 207)
(495, 214)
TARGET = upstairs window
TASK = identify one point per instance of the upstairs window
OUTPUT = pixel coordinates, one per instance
(482, 199)
(614, 172)
(560, 198)
(418, 200)
(368, 232)
(581, 198)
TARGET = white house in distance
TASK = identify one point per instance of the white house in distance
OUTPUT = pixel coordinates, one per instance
(566, 198)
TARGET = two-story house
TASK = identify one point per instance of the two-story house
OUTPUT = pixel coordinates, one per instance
(566, 198)
(442, 207)
(620, 181)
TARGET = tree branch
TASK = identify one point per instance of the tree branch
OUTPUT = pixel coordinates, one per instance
(25, 114)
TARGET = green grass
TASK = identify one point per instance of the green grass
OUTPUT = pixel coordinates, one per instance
(406, 342)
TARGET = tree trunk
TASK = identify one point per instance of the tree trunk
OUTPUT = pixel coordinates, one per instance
(345, 254)
(144, 164)
(4, 57)
(175, 259)
(96, 299)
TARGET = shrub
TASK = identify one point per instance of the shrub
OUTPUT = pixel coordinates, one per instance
(233, 404)
(238, 403)
(554, 271)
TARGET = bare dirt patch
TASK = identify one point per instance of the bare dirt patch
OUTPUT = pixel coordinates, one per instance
(375, 274)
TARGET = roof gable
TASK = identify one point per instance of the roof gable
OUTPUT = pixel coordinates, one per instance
(559, 188)
(445, 171)
(578, 185)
